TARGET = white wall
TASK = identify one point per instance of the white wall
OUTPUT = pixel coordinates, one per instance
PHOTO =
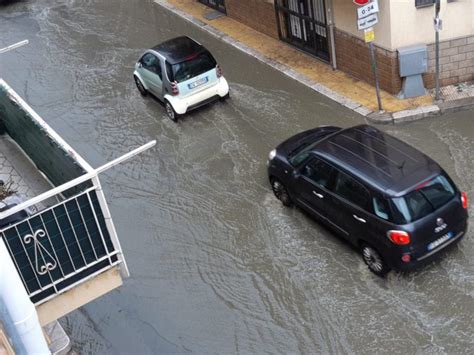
(345, 14)
(402, 24)
(411, 25)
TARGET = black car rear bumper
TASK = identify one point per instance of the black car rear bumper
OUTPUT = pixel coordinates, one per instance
(418, 259)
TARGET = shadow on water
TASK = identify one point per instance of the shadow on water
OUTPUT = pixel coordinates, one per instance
(4, 3)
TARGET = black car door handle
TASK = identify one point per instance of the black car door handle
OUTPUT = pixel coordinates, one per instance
(318, 194)
(359, 219)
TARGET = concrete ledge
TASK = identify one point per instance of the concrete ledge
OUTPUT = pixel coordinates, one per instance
(78, 296)
(381, 118)
(456, 105)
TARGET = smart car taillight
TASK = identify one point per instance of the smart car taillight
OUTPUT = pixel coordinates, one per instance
(464, 200)
(218, 71)
(174, 88)
(399, 237)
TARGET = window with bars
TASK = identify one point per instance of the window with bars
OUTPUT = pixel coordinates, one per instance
(424, 3)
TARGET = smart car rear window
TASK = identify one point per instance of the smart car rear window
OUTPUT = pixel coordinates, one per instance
(192, 67)
(426, 198)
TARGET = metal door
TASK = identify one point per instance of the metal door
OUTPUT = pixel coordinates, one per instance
(303, 23)
(219, 5)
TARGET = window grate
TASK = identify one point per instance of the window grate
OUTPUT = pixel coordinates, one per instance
(424, 3)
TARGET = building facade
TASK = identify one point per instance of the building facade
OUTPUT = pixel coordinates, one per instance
(327, 29)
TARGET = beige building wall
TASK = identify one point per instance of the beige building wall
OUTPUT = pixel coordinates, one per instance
(412, 26)
(345, 16)
(402, 24)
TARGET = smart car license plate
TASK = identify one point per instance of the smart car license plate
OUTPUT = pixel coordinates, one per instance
(439, 241)
(197, 83)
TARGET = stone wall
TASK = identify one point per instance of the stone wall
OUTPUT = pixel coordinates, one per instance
(353, 57)
(456, 58)
(456, 62)
(257, 14)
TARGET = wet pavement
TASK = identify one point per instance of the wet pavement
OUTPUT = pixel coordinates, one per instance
(218, 265)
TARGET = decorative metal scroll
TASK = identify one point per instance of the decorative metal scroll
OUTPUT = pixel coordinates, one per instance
(41, 251)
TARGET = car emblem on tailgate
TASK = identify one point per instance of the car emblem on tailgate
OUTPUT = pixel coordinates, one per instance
(441, 225)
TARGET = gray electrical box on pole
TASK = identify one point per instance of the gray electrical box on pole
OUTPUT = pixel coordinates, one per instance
(413, 62)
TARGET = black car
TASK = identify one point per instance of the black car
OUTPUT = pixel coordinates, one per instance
(394, 203)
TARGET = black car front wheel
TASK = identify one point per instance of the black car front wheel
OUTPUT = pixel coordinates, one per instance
(374, 260)
(281, 192)
(140, 87)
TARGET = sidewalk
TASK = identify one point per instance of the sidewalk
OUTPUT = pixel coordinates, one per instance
(338, 86)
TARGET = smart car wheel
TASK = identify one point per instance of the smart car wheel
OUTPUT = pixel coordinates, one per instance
(374, 260)
(173, 116)
(224, 98)
(140, 86)
(281, 193)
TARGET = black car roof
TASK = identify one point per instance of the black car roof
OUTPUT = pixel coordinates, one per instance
(377, 158)
(178, 49)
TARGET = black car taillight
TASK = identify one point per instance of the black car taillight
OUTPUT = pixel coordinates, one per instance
(218, 71)
(399, 237)
(464, 200)
(174, 88)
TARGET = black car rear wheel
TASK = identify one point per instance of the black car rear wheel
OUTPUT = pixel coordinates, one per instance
(281, 192)
(140, 87)
(374, 260)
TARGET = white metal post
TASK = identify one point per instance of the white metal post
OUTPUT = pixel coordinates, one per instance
(110, 225)
(13, 46)
(28, 335)
(437, 23)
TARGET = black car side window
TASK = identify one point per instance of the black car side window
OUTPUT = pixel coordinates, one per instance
(381, 207)
(351, 190)
(318, 172)
(151, 63)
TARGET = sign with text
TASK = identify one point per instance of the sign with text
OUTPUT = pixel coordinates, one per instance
(368, 9)
(367, 22)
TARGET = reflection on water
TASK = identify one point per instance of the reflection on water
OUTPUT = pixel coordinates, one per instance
(218, 265)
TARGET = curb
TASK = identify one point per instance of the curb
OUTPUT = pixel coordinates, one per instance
(372, 116)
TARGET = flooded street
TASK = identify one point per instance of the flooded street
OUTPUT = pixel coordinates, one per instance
(217, 264)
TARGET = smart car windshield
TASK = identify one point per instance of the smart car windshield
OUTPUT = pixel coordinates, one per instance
(426, 198)
(192, 67)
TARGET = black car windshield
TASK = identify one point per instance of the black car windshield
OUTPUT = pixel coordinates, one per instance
(192, 67)
(426, 198)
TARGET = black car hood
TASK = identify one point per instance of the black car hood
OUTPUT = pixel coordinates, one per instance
(299, 141)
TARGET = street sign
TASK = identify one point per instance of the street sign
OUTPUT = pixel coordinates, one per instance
(369, 9)
(438, 24)
(367, 22)
(361, 2)
(369, 35)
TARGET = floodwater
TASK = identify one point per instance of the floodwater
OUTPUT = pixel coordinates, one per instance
(218, 265)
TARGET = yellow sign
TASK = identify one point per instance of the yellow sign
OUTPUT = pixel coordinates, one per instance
(369, 35)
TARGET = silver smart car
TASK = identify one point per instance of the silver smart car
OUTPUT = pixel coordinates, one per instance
(182, 74)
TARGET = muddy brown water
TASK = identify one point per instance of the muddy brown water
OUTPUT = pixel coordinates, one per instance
(217, 264)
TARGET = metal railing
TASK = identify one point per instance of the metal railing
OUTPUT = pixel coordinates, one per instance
(60, 246)
(65, 244)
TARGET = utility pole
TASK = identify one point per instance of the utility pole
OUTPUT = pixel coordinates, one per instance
(438, 27)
